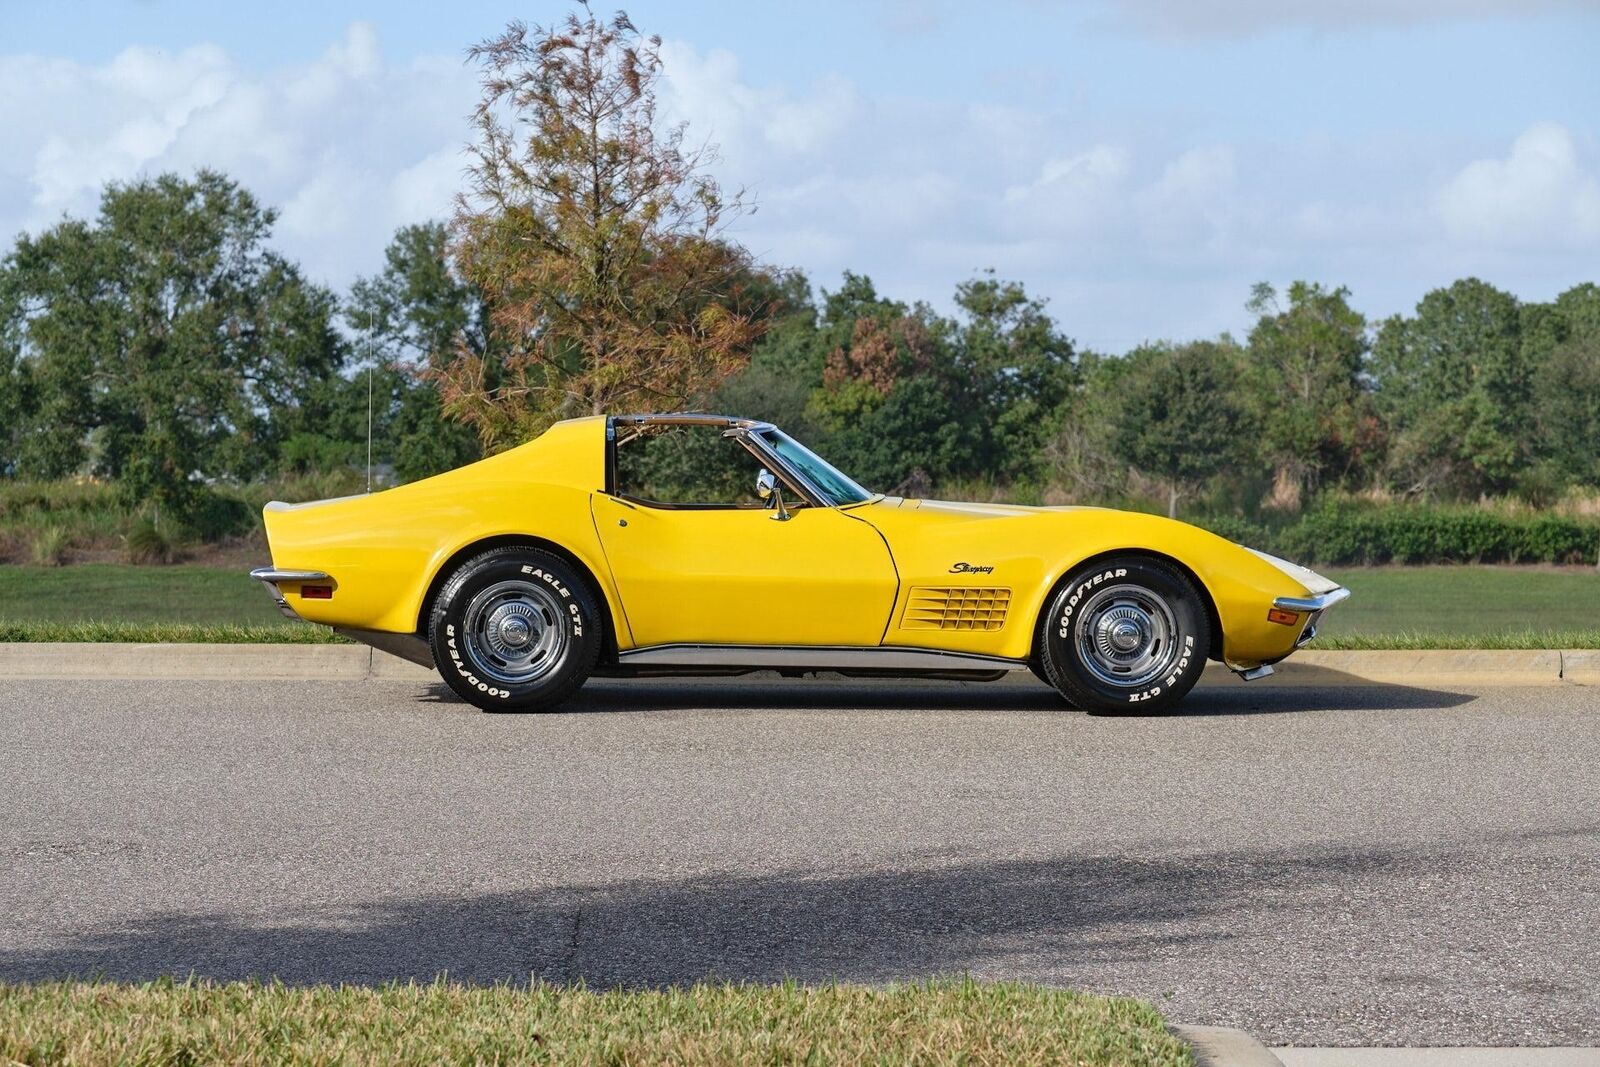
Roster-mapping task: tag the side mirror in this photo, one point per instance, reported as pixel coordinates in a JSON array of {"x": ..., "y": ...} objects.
[{"x": 767, "y": 489}]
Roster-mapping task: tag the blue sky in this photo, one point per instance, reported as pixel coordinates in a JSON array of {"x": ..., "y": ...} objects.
[{"x": 1139, "y": 163}]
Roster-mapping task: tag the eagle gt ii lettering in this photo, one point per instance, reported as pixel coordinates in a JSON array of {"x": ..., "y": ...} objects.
[{"x": 522, "y": 575}]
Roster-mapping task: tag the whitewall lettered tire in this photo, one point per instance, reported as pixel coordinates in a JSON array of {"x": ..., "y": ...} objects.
[
  {"x": 515, "y": 629},
  {"x": 1125, "y": 635}
]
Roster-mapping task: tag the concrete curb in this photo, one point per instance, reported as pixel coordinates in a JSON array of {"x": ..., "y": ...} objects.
[
  {"x": 1418, "y": 669},
  {"x": 1223, "y": 1046},
  {"x": 1429, "y": 668},
  {"x": 338, "y": 663},
  {"x": 1438, "y": 1057}
]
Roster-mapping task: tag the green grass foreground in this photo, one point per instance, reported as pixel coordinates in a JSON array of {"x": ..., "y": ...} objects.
[
  {"x": 126, "y": 593},
  {"x": 167, "y": 633},
  {"x": 938, "y": 1022},
  {"x": 1391, "y": 607},
  {"x": 1463, "y": 600},
  {"x": 1527, "y": 640}
]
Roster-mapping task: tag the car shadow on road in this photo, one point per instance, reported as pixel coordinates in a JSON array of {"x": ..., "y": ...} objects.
[
  {"x": 1013, "y": 916},
  {"x": 773, "y": 693}
]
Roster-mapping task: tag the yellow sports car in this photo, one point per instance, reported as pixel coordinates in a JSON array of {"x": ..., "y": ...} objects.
[{"x": 701, "y": 544}]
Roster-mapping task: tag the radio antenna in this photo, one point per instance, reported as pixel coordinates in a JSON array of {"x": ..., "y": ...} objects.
[{"x": 369, "y": 400}]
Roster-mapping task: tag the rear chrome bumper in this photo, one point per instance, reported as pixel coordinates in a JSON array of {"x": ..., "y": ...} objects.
[
  {"x": 1314, "y": 606},
  {"x": 271, "y": 576}
]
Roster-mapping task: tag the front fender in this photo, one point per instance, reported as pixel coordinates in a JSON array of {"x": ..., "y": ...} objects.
[{"x": 1031, "y": 550}]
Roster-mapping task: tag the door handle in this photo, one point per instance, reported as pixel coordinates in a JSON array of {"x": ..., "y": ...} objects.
[{"x": 622, "y": 522}]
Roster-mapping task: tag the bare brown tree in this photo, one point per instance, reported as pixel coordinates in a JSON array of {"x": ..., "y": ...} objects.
[{"x": 595, "y": 234}]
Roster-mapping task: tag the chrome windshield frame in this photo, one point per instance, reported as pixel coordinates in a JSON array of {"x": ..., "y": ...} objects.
[
  {"x": 753, "y": 439},
  {"x": 769, "y": 448}
]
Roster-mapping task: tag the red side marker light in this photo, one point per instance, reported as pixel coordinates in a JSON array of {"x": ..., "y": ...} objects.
[
  {"x": 1277, "y": 615},
  {"x": 317, "y": 592}
]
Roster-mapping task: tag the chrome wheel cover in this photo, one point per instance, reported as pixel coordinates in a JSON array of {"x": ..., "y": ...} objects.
[
  {"x": 515, "y": 632},
  {"x": 1127, "y": 636}
]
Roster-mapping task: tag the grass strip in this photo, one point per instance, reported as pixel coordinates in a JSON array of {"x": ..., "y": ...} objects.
[
  {"x": 945, "y": 1021},
  {"x": 1527, "y": 640},
  {"x": 129, "y": 593},
  {"x": 164, "y": 633}
]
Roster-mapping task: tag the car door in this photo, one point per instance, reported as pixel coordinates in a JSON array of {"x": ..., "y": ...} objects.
[{"x": 699, "y": 558}]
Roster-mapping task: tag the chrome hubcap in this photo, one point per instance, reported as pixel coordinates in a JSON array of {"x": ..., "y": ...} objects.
[
  {"x": 515, "y": 632},
  {"x": 512, "y": 630},
  {"x": 1127, "y": 635}
]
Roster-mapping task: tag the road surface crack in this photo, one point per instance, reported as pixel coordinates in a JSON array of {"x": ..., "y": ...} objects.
[{"x": 569, "y": 961}]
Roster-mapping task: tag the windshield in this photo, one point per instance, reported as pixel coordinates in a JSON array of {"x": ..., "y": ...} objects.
[{"x": 834, "y": 484}]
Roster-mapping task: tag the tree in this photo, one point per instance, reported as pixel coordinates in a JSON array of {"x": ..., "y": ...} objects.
[
  {"x": 1023, "y": 370},
  {"x": 1305, "y": 363},
  {"x": 16, "y": 403},
  {"x": 50, "y": 287},
  {"x": 892, "y": 400},
  {"x": 1453, "y": 385},
  {"x": 1568, "y": 405},
  {"x": 595, "y": 237},
  {"x": 785, "y": 365},
  {"x": 164, "y": 341},
  {"x": 1561, "y": 346},
  {"x": 1177, "y": 414}
]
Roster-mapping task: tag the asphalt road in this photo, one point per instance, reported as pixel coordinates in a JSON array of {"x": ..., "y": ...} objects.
[{"x": 1340, "y": 866}]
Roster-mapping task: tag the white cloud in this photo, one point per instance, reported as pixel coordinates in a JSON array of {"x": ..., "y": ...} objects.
[
  {"x": 1130, "y": 231},
  {"x": 1539, "y": 194},
  {"x": 741, "y": 119},
  {"x": 349, "y": 146},
  {"x": 1131, "y": 237},
  {"x": 1193, "y": 200},
  {"x": 1234, "y": 18},
  {"x": 1072, "y": 195}
]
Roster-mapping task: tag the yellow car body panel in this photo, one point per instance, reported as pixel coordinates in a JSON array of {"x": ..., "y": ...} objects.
[
  {"x": 383, "y": 551},
  {"x": 944, "y": 545},
  {"x": 889, "y": 572},
  {"x": 731, "y": 576}
]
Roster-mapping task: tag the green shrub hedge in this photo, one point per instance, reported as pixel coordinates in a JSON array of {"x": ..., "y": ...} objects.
[{"x": 1417, "y": 534}]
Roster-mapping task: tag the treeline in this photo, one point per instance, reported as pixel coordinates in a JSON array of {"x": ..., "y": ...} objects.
[
  {"x": 164, "y": 346},
  {"x": 1475, "y": 394}
]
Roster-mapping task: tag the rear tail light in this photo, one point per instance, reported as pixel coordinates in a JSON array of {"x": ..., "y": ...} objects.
[{"x": 317, "y": 592}]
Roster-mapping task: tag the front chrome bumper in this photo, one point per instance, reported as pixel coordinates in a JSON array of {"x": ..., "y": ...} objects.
[
  {"x": 1314, "y": 606},
  {"x": 271, "y": 576}
]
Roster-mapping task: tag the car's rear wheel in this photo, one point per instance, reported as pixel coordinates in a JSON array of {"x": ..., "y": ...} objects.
[
  {"x": 1125, "y": 635},
  {"x": 515, "y": 629}
]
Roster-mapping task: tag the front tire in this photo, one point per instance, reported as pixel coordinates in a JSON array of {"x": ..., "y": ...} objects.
[
  {"x": 515, "y": 629},
  {"x": 1125, "y": 635}
]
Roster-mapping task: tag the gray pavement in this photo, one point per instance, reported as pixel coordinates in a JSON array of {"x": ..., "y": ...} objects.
[{"x": 1339, "y": 866}]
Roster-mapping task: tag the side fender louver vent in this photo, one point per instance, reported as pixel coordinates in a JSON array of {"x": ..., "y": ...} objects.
[{"x": 952, "y": 608}]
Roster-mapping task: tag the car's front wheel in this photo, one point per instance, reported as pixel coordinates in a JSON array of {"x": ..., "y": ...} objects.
[
  {"x": 515, "y": 629},
  {"x": 1128, "y": 634}
]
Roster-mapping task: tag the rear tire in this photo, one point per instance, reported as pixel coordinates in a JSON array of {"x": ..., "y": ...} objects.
[
  {"x": 515, "y": 629},
  {"x": 1125, "y": 635}
]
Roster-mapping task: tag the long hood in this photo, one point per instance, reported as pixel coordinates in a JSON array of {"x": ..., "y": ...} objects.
[
  {"x": 1033, "y": 544},
  {"x": 958, "y": 508}
]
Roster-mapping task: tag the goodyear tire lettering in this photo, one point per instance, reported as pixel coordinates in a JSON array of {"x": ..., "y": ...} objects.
[
  {"x": 1064, "y": 627},
  {"x": 455, "y": 652}
]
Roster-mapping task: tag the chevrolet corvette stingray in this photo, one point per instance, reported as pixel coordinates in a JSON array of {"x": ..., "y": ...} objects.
[{"x": 704, "y": 544}]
